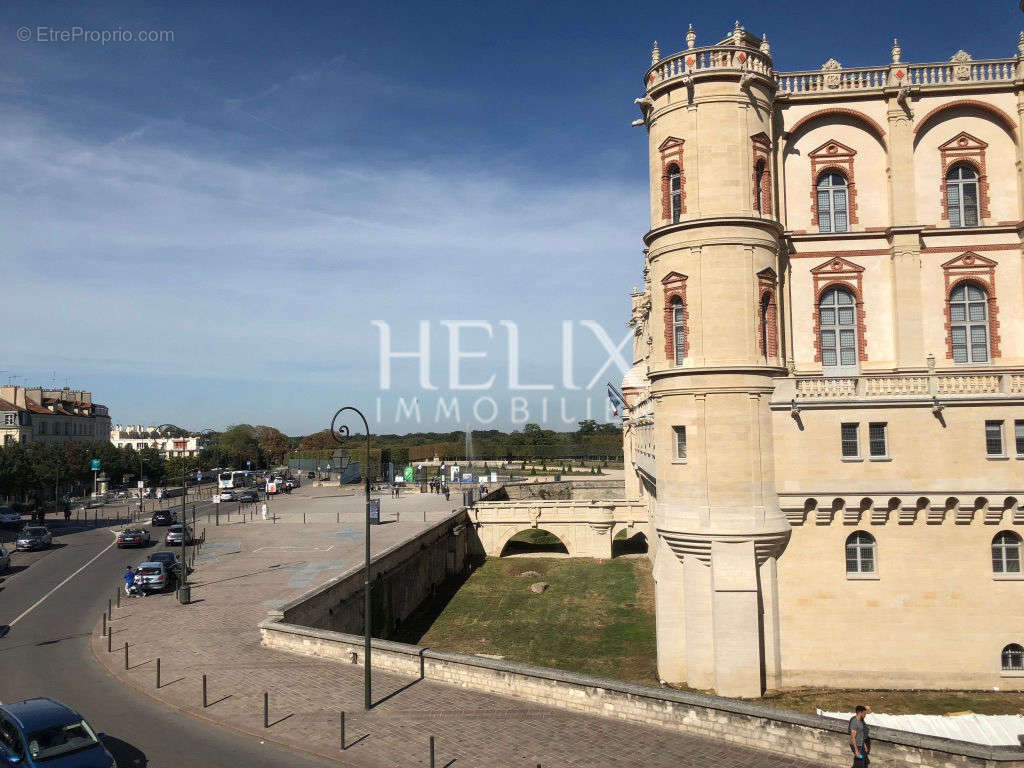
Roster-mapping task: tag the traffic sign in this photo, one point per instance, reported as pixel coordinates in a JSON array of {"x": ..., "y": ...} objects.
[{"x": 95, "y": 465}]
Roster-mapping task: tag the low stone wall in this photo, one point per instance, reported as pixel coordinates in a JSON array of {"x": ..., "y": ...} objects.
[
  {"x": 403, "y": 576},
  {"x": 562, "y": 489},
  {"x": 818, "y": 739}
]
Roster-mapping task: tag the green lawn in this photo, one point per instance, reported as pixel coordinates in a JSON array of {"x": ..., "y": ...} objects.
[{"x": 596, "y": 617}]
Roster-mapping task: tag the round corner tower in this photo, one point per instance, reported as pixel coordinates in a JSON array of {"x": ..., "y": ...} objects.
[{"x": 713, "y": 262}]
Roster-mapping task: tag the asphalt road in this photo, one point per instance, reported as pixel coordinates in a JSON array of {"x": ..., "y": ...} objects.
[{"x": 47, "y": 653}]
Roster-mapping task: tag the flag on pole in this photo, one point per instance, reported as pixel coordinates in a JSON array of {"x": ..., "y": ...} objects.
[{"x": 616, "y": 398}]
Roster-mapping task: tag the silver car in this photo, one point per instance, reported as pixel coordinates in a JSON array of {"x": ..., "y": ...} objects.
[
  {"x": 174, "y": 535},
  {"x": 33, "y": 537},
  {"x": 152, "y": 577}
]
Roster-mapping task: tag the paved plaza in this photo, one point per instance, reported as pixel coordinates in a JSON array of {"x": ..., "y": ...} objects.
[{"x": 247, "y": 568}]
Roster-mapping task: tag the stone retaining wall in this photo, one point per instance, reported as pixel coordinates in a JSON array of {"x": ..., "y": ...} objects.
[
  {"x": 404, "y": 576},
  {"x": 809, "y": 737},
  {"x": 602, "y": 489}
]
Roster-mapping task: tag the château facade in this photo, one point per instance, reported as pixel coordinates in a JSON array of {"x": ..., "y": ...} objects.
[{"x": 826, "y": 409}]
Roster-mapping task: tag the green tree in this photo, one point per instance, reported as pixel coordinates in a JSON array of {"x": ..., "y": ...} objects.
[
  {"x": 273, "y": 444},
  {"x": 239, "y": 444}
]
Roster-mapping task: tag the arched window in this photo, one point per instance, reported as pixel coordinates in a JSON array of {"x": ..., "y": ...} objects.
[
  {"x": 860, "y": 553},
  {"x": 1013, "y": 658},
  {"x": 675, "y": 191},
  {"x": 1006, "y": 552},
  {"x": 832, "y": 202},
  {"x": 837, "y": 315},
  {"x": 962, "y": 195},
  {"x": 766, "y": 324},
  {"x": 759, "y": 171},
  {"x": 968, "y": 318},
  {"x": 678, "y": 331}
]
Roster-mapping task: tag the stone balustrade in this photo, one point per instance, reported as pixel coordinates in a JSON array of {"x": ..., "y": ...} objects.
[
  {"x": 908, "y": 386},
  {"x": 716, "y": 57},
  {"x": 940, "y": 74}
]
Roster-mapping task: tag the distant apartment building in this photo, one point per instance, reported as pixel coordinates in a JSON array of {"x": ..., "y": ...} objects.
[
  {"x": 38, "y": 415},
  {"x": 137, "y": 437}
]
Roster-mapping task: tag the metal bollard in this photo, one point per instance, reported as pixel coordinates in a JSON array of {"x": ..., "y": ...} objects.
[
  {"x": 266, "y": 709},
  {"x": 158, "y": 672},
  {"x": 432, "y": 752},
  {"x": 303, "y": 518},
  {"x": 110, "y": 609},
  {"x": 104, "y": 623},
  {"x": 342, "y": 731},
  {"x": 337, "y": 517},
  {"x": 126, "y": 654},
  {"x": 117, "y": 595},
  {"x": 204, "y": 691}
]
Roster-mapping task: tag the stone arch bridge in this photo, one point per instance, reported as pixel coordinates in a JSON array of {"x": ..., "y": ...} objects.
[{"x": 586, "y": 526}]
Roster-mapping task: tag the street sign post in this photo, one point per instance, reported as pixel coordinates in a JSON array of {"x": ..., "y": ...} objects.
[{"x": 374, "y": 511}]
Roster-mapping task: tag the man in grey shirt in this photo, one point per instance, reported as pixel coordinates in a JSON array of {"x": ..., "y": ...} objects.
[{"x": 860, "y": 741}]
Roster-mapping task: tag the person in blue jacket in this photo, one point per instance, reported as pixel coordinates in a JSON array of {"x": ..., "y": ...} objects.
[{"x": 129, "y": 581}]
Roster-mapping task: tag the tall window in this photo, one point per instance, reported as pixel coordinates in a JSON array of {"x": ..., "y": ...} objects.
[
  {"x": 850, "y": 441},
  {"x": 968, "y": 316},
  {"x": 1013, "y": 658},
  {"x": 1006, "y": 552},
  {"x": 758, "y": 187},
  {"x": 678, "y": 331},
  {"x": 832, "y": 196},
  {"x": 675, "y": 191},
  {"x": 994, "y": 438},
  {"x": 962, "y": 196},
  {"x": 860, "y": 553},
  {"x": 766, "y": 304},
  {"x": 1018, "y": 436},
  {"x": 680, "y": 435},
  {"x": 838, "y": 320},
  {"x": 878, "y": 439}
]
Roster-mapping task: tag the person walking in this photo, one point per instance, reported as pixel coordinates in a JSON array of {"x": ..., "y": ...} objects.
[
  {"x": 860, "y": 740},
  {"x": 447, "y": 493}
]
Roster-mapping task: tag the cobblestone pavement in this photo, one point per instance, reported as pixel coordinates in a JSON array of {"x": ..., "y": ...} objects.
[{"x": 247, "y": 568}]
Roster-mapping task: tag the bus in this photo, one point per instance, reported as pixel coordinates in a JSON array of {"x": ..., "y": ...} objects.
[{"x": 235, "y": 479}]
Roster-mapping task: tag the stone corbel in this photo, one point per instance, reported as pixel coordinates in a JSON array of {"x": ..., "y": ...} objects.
[
  {"x": 964, "y": 515},
  {"x": 936, "y": 515},
  {"x": 907, "y": 515},
  {"x": 851, "y": 515},
  {"x": 880, "y": 515},
  {"x": 824, "y": 515},
  {"x": 993, "y": 516}
]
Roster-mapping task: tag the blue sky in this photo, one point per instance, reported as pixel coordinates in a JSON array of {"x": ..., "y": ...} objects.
[{"x": 201, "y": 231}]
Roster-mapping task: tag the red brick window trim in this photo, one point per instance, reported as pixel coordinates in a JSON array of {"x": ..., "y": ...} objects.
[
  {"x": 966, "y": 149},
  {"x": 840, "y": 273},
  {"x": 833, "y": 156},
  {"x": 970, "y": 267},
  {"x": 674, "y": 287},
  {"x": 671, "y": 150},
  {"x": 767, "y": 315},
  {"x": 761, "y": 181}
]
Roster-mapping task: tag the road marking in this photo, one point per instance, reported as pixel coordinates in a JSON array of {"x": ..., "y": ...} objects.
[
  {"x": 311, "y": 549},
  {"x": 36, "y": 604}
]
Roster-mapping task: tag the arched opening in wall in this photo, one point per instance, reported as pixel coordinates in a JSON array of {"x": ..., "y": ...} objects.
[
  {"x": 626, "y": 544},
  {"x": 535, "y": 541}
]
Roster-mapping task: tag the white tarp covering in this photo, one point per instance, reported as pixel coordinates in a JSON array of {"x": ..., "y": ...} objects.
[{"x": 993, "y": 730}]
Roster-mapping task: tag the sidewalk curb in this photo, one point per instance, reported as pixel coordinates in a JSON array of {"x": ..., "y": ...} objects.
[{"x": 126, "y": 680}]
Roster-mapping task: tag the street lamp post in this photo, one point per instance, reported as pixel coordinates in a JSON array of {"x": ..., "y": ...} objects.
[
  {"x": 338, "y": 433},
  {"x": 184, "y": 593}
]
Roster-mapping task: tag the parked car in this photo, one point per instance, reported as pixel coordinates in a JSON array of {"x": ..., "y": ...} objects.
[
  {"x": 170, "y": 561},
  {"x": 96, "y": 501},
  {"x": 154, "y": 576},
  {"x": 5, "y": 559},
  {"x": 248, "y": 497},
  {"x": 9, "y": 517},
  {"x": 37, "y": 733},
  {"x": 33, "y": 537},
  {"x": 163, "y": 517},
  {"x": 310, "y": 475},
  {"x": 226, "y": 495},
  {"x": 174, "y": 534},
  {"x": 133, "y": 537}
]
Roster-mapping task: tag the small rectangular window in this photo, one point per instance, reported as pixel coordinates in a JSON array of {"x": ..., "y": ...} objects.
[
  {"x": 1018, "y": 435},
  {"x": 994, "y": 438},
  {"x": 878, "y": 439},
  {"x": 680, "y": 434},
  {"x": 851, "y": 445}
]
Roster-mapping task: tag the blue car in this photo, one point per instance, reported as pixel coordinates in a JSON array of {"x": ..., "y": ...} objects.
[{"x": 43, "y": 733}]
